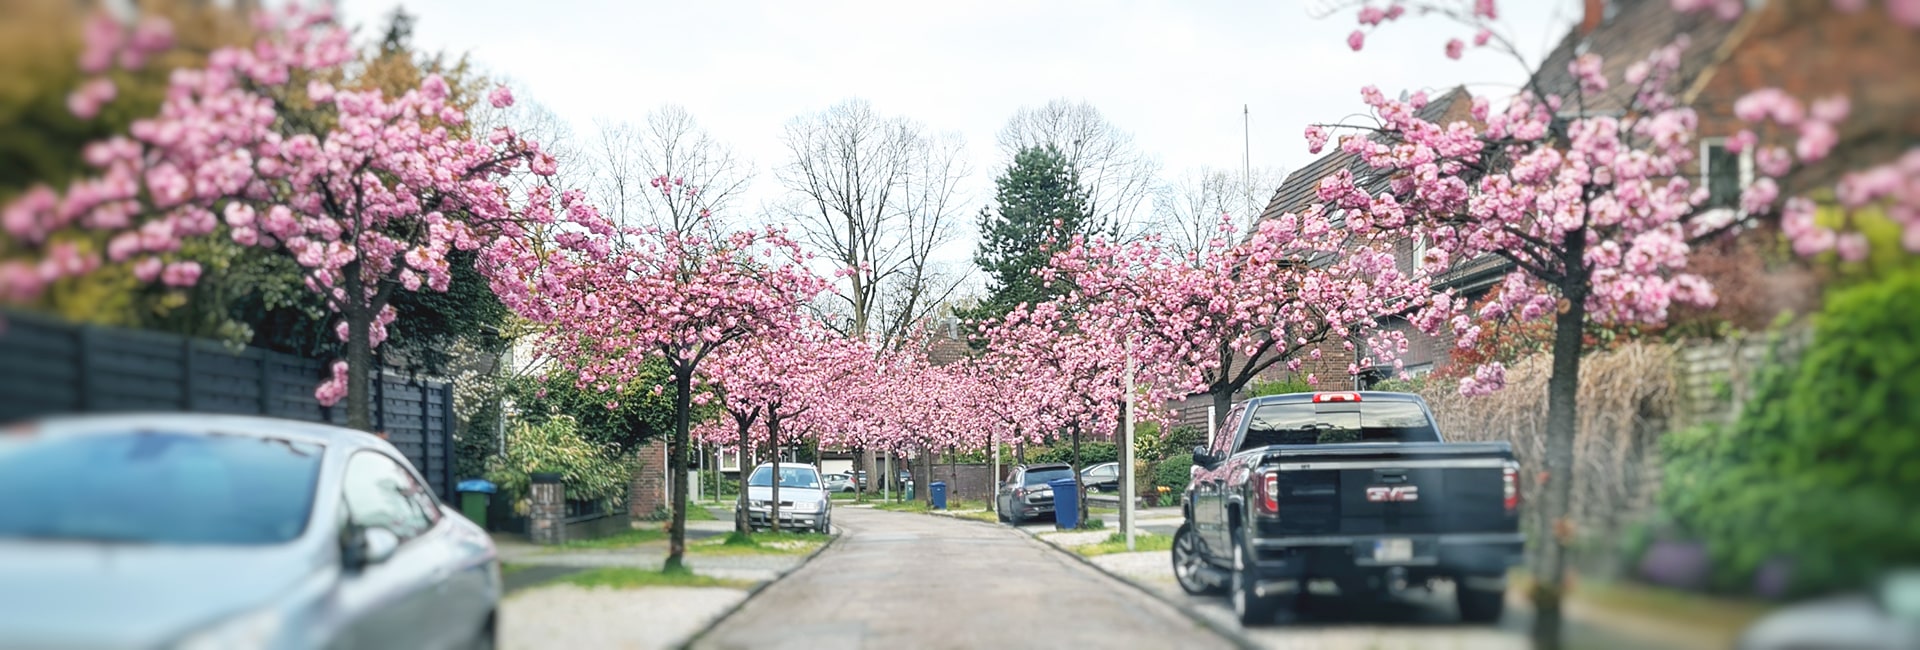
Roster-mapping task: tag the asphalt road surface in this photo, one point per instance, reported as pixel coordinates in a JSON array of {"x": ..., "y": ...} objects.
[{"x": 898, "y": 580}]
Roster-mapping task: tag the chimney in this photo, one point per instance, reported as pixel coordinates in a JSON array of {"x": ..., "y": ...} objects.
[{"x": 1596, "y": 14}]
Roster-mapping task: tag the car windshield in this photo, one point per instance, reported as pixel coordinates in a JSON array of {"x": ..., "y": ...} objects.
[
  {"x": 158, "y": 487},
  {"x": 789, "y": 477},
  {"x": 1038, "y": 476},
  {"x": 1306, "y": 423}
]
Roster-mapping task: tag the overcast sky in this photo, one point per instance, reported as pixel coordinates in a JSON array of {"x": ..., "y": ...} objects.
[{"x": 1175, "y": 74}]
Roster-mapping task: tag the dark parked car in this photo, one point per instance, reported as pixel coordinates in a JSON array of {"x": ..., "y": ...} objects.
[
  {"x": 1025, "y": 494},
  {"x": 1104, "y": 477},
  {"x": 214, "y": 531},
  {"x": 1354, "y": 487}
]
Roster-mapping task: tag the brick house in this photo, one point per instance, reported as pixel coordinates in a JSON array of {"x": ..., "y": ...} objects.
[{"x": 1802, "y": 46}]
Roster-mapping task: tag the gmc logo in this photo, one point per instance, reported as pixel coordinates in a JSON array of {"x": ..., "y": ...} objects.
[{"x": 1393, "y": 493}]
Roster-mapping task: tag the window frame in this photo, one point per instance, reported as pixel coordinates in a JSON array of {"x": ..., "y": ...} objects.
[{"x": 1742, "y": 179}]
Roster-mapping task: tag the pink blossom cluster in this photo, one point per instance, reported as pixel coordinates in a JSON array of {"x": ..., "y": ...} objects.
[
  {"x": 1606, "y": 211},
  {"x": 370, "y": 206}
]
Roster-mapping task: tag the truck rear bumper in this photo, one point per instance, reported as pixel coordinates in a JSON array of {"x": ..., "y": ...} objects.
[{"x": 1450, "y": 554}]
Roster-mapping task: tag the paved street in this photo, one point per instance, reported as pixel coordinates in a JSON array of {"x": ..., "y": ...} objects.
[{"x": 897, "y": 580}]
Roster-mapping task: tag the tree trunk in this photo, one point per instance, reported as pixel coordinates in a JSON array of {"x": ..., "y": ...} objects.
[
  {"x": 359, "y": 368},
  {"x": 922, "y": 483},
  {"x": 773, "y": 445},
  {"x": 1563, "y": 391},
  {"x": 870, "y": 465},
  {"x": 1222, "y": 402},
  {"x": 741, "y": 524},
  {"x": 677, "y": 465}
]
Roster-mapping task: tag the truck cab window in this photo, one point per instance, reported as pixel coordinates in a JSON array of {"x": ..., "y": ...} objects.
[{"x": 1305, "y": 423}]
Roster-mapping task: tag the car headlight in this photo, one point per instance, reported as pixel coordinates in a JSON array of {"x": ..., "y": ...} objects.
[
  {"x": 757, "y": 503},
  {"x": 255, "y": 630},
  {"x": 820, "y": 506}
]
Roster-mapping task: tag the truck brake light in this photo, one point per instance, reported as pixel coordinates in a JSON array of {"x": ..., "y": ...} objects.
[
  {"x": 1510, "y": 486},
  {"x": 1270, "y": 493},
  {"x": 1321, "y": 398}
]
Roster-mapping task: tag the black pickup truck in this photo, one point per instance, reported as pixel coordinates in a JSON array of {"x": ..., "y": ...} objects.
[{"x": 1356, "y": 488}]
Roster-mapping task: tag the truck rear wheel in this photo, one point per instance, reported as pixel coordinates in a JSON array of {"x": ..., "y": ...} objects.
[
  {"x": 1479, "y": 605},
  {"x": 1251, "y": 607}
]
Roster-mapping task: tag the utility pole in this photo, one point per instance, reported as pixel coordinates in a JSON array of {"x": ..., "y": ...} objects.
[{"x": 1126, "y": 461}]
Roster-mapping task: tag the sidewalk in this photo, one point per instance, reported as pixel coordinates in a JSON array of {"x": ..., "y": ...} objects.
[{"x": 542, "y": 610}]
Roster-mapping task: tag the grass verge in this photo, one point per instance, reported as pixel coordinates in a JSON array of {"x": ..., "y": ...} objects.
[
  {"x": 635, "y": 578},
  {"x": 1117, "y": 543},
  {"x": 510, "y": 569},
  {"x": 1725, "y": 617}
]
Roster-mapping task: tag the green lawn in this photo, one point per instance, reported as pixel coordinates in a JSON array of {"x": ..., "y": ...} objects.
[
  {"x": 634, "y": 578},
  {"x": 700, "y": 513},
  {"x": 1726, "y": 617},
  {"x": 510, "y": 569},
  {"x": 980, "y": 515},
  {"x": 1117, "y": 543}
]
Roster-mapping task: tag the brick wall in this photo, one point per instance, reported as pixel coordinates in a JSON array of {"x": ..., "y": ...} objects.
[
  {"x": 1810, "y": 50},
  {"x": 971, "y": 481},
  {"x": 649, "y": 490}
]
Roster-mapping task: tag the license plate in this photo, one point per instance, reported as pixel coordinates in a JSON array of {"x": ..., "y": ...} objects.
[{"x": 1393, "y": 550}]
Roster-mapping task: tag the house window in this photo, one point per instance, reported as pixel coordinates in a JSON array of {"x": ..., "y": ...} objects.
[
  {"x": 1419, "y": 253},
  {"x": 1723, "y": 173}
]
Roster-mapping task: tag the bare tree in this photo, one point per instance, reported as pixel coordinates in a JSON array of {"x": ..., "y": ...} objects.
[
  {"x": 1188, "y": 211},
  {"x": 877, "y": 196},
  {"x": 668, "y": 172},
  {"x": 1119, "y": 179}
]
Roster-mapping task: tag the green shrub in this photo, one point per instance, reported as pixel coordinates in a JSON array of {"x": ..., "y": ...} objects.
[
  {"x": 1264, "y": 388},
  {"x": 1174, "y": 473},
  {"x": 590, "y": 472},
  {"x": 1821, "y": 466},
  {"x": 1091, "y": 453}
]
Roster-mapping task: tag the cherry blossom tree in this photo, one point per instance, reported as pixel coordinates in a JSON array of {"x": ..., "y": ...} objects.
[
  {"x": 368, "y": 193},
  {"x": 1076, "y": 372},
  {"x": 1224, "y": 315},
  {"x": 783, "y": 382},
  {"x": 1591, "y": 210},
  {"x": 610, "y": 298}
]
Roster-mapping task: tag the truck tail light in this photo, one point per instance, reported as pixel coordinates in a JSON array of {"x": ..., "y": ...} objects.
[
  {"x": 1270, "y": 493},
  {"x": 1510, "y": 486},
  {"x": 1321, "y": 398}
]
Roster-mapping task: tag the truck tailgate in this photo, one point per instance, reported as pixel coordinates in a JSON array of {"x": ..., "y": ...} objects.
[{"x": 1403, "y": 489}]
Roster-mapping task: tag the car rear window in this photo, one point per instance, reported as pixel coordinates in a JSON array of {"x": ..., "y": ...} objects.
[
  {"x": 158, "y": 487},
  {"x": 1038, "y": 476},
  {"x": 789, "y": 477},
  {"x": 1305, "y": 423}
]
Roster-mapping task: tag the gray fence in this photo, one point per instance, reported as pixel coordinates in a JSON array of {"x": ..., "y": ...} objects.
[{"x": 48, "y": 367}]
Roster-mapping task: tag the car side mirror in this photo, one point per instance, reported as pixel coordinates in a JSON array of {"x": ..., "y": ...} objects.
[
  {"x": 1203, "y": 458},
  {"x": 370, "y": 546}
]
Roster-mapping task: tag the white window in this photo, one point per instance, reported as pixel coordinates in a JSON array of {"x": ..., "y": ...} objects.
[{"x": 1724, "y": 173}]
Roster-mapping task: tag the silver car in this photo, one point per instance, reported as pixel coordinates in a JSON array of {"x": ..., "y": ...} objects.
[
  {"x": 804, "y": 502},
  {"x": 206, "y": 531}
]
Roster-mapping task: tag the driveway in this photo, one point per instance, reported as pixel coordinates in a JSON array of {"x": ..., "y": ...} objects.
[{"x": 901, "y": 580}]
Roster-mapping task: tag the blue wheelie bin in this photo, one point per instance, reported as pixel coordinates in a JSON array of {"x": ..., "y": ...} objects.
[
  {"x": 939, "y": 494},
  {"x": 1066, "y": 503}
]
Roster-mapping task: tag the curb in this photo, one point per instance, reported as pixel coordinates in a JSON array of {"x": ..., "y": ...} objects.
[
  {"x": 1232, "y": 634},
  {"x": 755, "y": 591}
]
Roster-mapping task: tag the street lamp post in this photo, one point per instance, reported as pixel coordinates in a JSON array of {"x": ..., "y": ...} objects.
[{"x": 1126, "y": 461}]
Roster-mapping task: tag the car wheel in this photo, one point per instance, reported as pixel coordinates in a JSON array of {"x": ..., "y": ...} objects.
[
  {"x": 1013, "y": 517},
  {"x": 1479, "y": 605},
  {"x": 1188, "y": 563},
  {"x": 1251, "y": 607}
]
